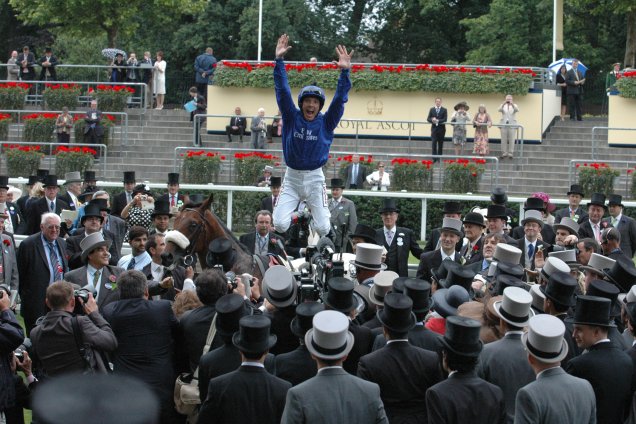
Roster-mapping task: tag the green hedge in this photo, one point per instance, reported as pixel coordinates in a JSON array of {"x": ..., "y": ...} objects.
[{"x": 627, "y": 87}]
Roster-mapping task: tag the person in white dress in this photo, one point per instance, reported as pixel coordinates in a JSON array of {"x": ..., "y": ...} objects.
[
  {"x": 379, "y": 180},
  {"x": 159, "y": 79}
]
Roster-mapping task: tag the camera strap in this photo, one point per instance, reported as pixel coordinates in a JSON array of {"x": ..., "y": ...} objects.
[{"x": 79, "y": 342}]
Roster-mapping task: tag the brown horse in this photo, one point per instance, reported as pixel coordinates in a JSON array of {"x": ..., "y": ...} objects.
[{"x": 194, "y": 229}]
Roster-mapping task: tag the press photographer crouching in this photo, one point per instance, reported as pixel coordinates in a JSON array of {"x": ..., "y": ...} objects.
[
  {"x": 64, "y": 343},
  {"x": 11, "y": 336}
]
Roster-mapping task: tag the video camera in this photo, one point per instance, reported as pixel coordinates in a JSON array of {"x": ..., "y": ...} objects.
[{"x": 318, "y": 268}]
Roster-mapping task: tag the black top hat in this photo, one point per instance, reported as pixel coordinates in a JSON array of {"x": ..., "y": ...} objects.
[
  {"x": 623, "y": 274},
  {"x": 162, "y": 207},
  {"x": 92, "y": 210},
  {"x": 173, "y": 178},
  {"x": 592, "y": 310},
  {"x": 102, "y": 204},
  {"x": 576, "y": 189},
  {"x": 615, "y": 200},
  {"x": 504, "y": 280},
  {"x": 196, "y": 199},
  {"x": 88, "y": 192},
  {"x": 89, "y": 176},
  {"x": 129, "y": 176},
  {"x": 253, "y": 335},
  {"x": 598, "y": 199},
  {"x": 499, "y": 196},
  {"x": 32, "y": 180},
  {"x": 388, "y": 205},
  {"x": 4, "y": 182},
  {"x": 420, "y": 293},
  {"x": 302, "y": 322},
  {"x": 221, "y": 253},
  {"x": 441, "y": 272},
  {"x": 142, "y": 188},
  {"x": 458, "y": 277},
  {"x": 534, "y": 203},
  {"x": 462, "y": 336},
  {"x": 220, "y": 245},
  {"x": 602, "y": 288},
  {"x": 50, "y": 181},
  {"x": 451, "y": 207},
  {"x": 497, "y": 211},
  {"x": 364, "y": 232},
  {"x": 275, "y": 181},
  {"x": 397, "y": 314},
  {"x": 399, "y": 284},
  {"x": 560, "y": 288},
  {"x": 340, "y": 295},
  {"x": 337, "y": 183},
  {"x": 41, "y": 174},
  {"x": 229, "y": 310},
  {"x": 474, "y": 218}
]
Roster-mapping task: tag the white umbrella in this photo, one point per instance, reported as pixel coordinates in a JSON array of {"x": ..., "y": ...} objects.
[
  {"x": 111, "y": 53},
  {"x": 555, "y": 66}
]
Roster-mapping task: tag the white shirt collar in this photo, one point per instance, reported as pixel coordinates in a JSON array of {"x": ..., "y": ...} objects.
[
  {"x": 252, "y": 364},
  {"x": 386, "y": 230},
  {"x": 327, "y": 368},
  {"x": 444, "y": 255},
  {"x": 556, "y": 366},
  {"x": 397, "y": 340}
]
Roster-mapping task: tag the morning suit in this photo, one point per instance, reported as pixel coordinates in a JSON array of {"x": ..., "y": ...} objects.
[
  {"x": 119, "y": 203},
  {"x": 342, "y": 212},
  {"x": 573, "y": 349},
  {"x": 145, "y": 350},
  {"x": 609, "y": 371},
  {"x": 402, "y": 243},
  {"x": 430, "y": 261},
  {"x": 419, "y": 336},
  {"x": 475, "y": 254},
  {"x": 10, "y": 275},
  {"x": 586, "y": 230},
  {"x": 247, "y": 395},
  {"x": 27, "y": 73},
  {"x": 523, "y": 261},
  {"x": 39, "y": 207},
  {"x": 465, "y": 398},
  {"x": 504, "y": 363},
  {"x": 69, "y": 200},
  {"x": 178, "y": 278},
  {"x": 108, "y": 289},
  {"x": 438, "y": 131},
  {"x": 249, "y": 241},
  {"x": 35, "y": 273},
  {"x": 93, "y": 129},
  {"x": 281, "y": 318},
  {"x": 236, "y": 121},
  {"x": 52, "y": 74},
  {"x": 167, "y": 197},
  {"x": 547, "y": 233},
  {"x": 355, "y": 181},
  {"x": 195, "y": 325},
  {"x": 579, "y": 214},
  {"x": 362, "y": 344},
  {"x": 333, "y": 396},
  {"x": 267, "y": 203},
  {"x": 74, "y": 251},
  {"x": 117, "y": 227},
  {"x": 222, "y": 360},
  {"x": 575, "y": 93},
  {"x": 404, "y": 373},
  {"x": 627, "y": 228},
  {"x": 296, "y": 366},
  {"x": 556, "y": 397}
]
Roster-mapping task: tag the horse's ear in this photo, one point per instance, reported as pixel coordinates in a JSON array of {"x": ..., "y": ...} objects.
[{"x": 206, "y": 205}]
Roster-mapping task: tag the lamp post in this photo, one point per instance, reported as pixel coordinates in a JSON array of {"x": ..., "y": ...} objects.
[{"x": 260, "y": 28}]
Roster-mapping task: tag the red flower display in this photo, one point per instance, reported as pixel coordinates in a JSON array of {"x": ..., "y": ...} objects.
[
  {"x": 15, "y": 84},
  {"x": 40, "y": 116},
  {"x": 64, "y": 149}
]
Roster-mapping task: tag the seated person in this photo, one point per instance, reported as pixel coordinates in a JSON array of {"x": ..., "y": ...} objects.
[
  {"x": 237, "y": 126},
  {"x": 275, "y": 130}
]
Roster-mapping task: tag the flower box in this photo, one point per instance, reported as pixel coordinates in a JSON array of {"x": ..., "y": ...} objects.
[
  {"x": 13, "y": 95},
  {"x": 596, "y": 177},
  {"x": 463, "y": 175},
  {"x": 39, "y": 127},
  {"x": 22, "y": 161},
  {"x": 200, "y": 167},
  {"x": 57, "y": 96},
  {"x": 68, "y": 159},
  {"x": 249, "y": 166},
  {"x": 412, "y": 175},
  {"x": 5, "y": 120},
  {"x": 108, "y": 122},
  {"x": 626, "y": 84},
  {"x": 111, "y": 98}
]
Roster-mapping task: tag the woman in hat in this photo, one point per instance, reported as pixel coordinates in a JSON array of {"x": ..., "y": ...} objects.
[
  {"x": 139, "y": 210},
  {"x": 481, "y": 123},
  {"x": 459, "y": 119},
  {"x": 379, "y": 180}
]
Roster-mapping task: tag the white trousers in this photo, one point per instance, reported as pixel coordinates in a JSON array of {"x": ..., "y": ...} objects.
[{"x": 308, "y": 186}]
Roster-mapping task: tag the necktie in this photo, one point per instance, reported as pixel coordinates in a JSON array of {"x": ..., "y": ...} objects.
[
  {"x": 128, "y": 197},
  {"x": 572, "y": 213},
  {"x": 262, "y": 241},
  {"x": 389, "y": 237},
  {"x": 131, "y": 264},
  {"x": 55, "y": 264},
  {"x": 172, "y": 204},
  {"x": 96, "y": 278},
  {"x": 614, "y": 222},
  {"x": 52, "y": 206},
  {"x": 469, "y": 251},
  {"x": 354, "y": 173},
  {"x": 530, "y": 250},
  {"x": 597, "y": 232}
]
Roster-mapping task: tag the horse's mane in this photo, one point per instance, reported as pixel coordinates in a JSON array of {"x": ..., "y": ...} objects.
[{"x": 228, "y": 233}]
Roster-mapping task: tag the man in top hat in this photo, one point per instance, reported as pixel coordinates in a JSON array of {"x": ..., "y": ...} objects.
[
  {"x": 452, "y": 209},
  {"x": 499, "y": 197},
  {"x": 367, "y": 264},
  {"x": 160, "y": 216},
  {"x": 265, "y": 179},
  {"x": 48, "y": 203},
  {"x": 8, "y": 210},
  {"x": 549, "y": 398},
  {"x": 450, "y": 235},
  {"x": 535, "y": 204},
  {"x": 398, "y": 241},
  {"x": 21, "y": 202},
  {"x": 611, "y": 240},
  {"x": 361, "y": 234},
  {"x": 125, "y": 197},
  {"x": 90, "y": 181},
  {"x": 608, "y": 290},
  {"x": 298, "y": 366},
  {"x": 497, "y": 219},
  {"x": 414, "y": 368},
  {"x": 530, "y": 243},
  {"x": 567, "y": 233},
  {"x": 463, "y": 397},
  {"x": 595, "y": 267},
  {"x": 142, "y": 326},
  {"x": 574, "y": 210},
  {"x": 594, "y": 224},
  {"x": 623, "y": 223},
  {"x": 92, "y": 222},
  {"x": 504, "y": 362},
  {"x": 97, "y": 272},
  {"x": 72, "y": 183},
  {"x": 606, "y": 367},
  {"x": 263, "y": 240},
  {"x": 174, "y": 198},
  {"x": 249, "y": 394},
  {"x": 329, "y": 343},
  {"x": 343, "y": 212},
  {"x": 226, "y": 358},
  {"x": 622, "y": 275},
  {"x": 268, "y": 202},
  {"x": 473, "y": 232},
  {"x": 48, "y": 62},
  {"x": 382, "y": 284},
  {"x": 356, "y": 173},
  {"x": 280, "y": 290}
]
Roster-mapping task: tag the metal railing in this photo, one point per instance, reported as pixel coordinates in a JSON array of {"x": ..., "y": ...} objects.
[
  {"x": 608, "y": 129},
  {"x": 50, "y": 152},
  {"x": 123, "y": 130}
]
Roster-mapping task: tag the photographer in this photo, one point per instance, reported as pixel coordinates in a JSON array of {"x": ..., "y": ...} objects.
[
  {"x": 20, "y": 361},
  {"x": 11, "y": 336},
  {"x": 58, "y": 346}
]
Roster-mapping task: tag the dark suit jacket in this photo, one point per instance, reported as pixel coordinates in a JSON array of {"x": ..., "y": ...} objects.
[
  {"x": 404, "y": 373},
  {"x": 362, "y": 344},
  {"x": 178, "y": 277},
  {"x": 249, "y": 241},
  {"x": 67, "y": 198},
  {"x": 195, "y": 325},
  {"x": 403, "y": 242},
  {"x": 267, "y": 203},
  {"x": 609, "y": 371},
  {"x": 34, "y": 272},
  {"x": 247, "y": 395},
  {"x": 51, "y": 68},
  {"x": 521, "y": 244},
  {"x": 39, "y": 207},
  {"x": 547, "y": 233},
  {"x": 571, "y": 78},
  {"x": 30, "y": 58},
  {"x": 442, "y": 117},
  {"x": 118, "y": 203},
  {"x": 476, "y": 255},
  {"x": 13, "y": 210},
  {"x": 99, "y": 129},
  {"x": 465, "y": 398},
  {"x": 107, "y": 293},
  {"x": 565, "y": 213},
  {"x": 286, "y": 341},
  {"x": 237, "y": 121},
  {"x": 74, "y": 251},
  {"x": 296, "y": 366},
  {"x": 430, "y": 261},
  {"x": 586, "y": 231},
  {"x": 419, "y": 336},
  {"x": 222, "y": 360},
  {"x": 360, "y": 178},
  {"x": 180, "y": 198},
  {"x": 627, "y": 228}
]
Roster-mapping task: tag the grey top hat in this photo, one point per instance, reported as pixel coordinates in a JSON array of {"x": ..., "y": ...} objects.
[
  {"x": 507, "y": 253},
  {"x": 330, "y": 337},
  {"x": 279, "y": 286},
  {"x": 369, "y": 256},
  {"x": 514, "y": 308},
  {"x": 92, "y": 242},
  {"x": 568, "y": 256},
  {"x": 631, "y": 295},
  {"x": 538, "y": 298},
  {"x": 569, "y": 225},
  {"x": 553, "y": 264},
  {"x": 72, "y": 177},
  {"x": 452, "y": 225},
  {"x": 533, "y": 216},
  {"x": 598, "y": 263},
  {"x": 544, "y": 339},
  {"x": 382, "y": 285}
]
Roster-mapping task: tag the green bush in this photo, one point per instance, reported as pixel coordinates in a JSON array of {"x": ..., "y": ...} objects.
[
  {"x": 68, "y": 159},
  {"x": 462, "y": 175},
  {"x": 22, "y": 161},
  {"x": 5, "y": 120},
  {"x": 412, "y": 175},
  {"x": 113, "y": 98},
  {"x": 200, "y": 167},
  {"x": 250, "y": 166},
  {"x": 57, "y": 96},
  {"x": 13, "y": 95},
  {"x": 39, "y": 127},
  {"x": 597, "y": 177}
]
